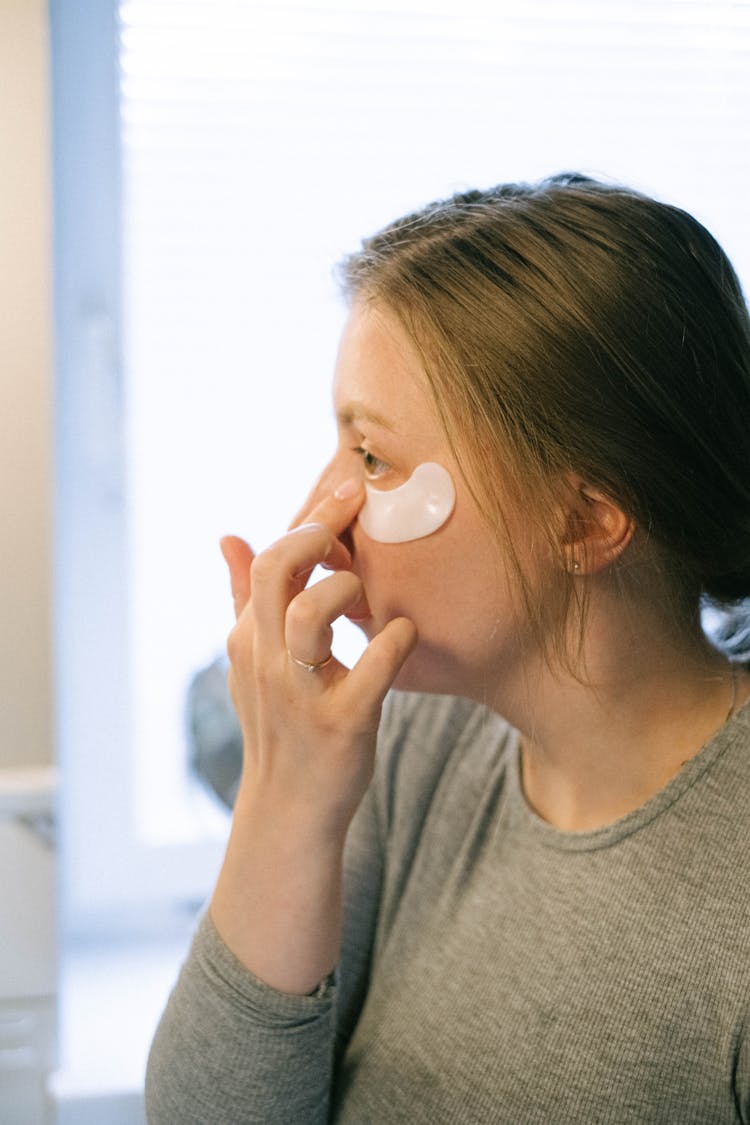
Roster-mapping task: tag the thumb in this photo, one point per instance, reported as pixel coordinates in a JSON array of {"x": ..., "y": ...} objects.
[
  {"x": 238, "y": 557},
  {"x": 378, "y": 666}
]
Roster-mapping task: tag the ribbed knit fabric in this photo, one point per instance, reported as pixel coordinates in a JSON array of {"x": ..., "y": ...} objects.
[{"x": 494, "y": 968}]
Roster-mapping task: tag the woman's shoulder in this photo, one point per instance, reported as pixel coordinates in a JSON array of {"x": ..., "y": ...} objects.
[
  {"x": 428, "y": 742},
  {"x": 405, "y": 712},
  {"x": 414, "y": 722}
]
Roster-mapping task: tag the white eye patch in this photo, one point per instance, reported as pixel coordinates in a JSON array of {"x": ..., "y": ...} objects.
[{"x": 413, "y": 510}]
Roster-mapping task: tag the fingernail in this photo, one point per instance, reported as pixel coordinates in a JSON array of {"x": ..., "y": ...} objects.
[
  {"x": 305, "y": 527},
  {"x": 348, "y": 489}
]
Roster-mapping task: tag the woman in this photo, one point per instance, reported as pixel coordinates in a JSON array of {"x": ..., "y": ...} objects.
[{"x": 534, "y": 904}]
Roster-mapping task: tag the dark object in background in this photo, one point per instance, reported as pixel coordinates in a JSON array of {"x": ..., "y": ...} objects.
[{"x": 213, "y": 731}]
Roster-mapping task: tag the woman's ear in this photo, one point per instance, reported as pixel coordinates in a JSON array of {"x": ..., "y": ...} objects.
[{"x": 597, "y": 529}]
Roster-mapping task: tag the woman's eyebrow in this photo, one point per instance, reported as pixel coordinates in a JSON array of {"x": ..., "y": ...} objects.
[{"x": 358, "y": 412}]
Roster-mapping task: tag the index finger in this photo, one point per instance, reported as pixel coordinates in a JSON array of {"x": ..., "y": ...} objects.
[
  {"x": 329, "y": 510},
  {"x": 337, "y": 510}
]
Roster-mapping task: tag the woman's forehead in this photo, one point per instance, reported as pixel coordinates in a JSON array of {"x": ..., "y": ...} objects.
[{"x": 379, "y": 378}]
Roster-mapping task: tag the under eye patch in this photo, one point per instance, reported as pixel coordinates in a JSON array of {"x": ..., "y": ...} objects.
[{"x": 413, "y": 510}]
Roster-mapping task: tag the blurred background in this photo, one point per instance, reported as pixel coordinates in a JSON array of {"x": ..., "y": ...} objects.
[{"x": 179, "y": 178}]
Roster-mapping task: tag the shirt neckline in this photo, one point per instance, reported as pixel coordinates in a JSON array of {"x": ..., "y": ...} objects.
[{"x": 608, "y": 835}]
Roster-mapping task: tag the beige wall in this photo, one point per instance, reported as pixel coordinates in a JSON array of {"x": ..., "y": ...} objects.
[{"x": 25, "y": 383}]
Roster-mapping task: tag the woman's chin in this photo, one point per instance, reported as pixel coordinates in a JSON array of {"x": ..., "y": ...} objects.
[
  {"x": 428, "y": 668},
  {"x": 427, "y": 671}
]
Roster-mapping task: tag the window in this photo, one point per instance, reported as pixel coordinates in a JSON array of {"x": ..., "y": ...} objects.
[{"x": 213, "y": 160}]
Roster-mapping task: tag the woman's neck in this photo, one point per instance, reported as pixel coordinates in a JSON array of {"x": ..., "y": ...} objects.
[{"x": 595, "y": 748}]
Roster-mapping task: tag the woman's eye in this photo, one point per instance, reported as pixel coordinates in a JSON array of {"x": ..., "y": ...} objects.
[{"x": 374, "y": 467}]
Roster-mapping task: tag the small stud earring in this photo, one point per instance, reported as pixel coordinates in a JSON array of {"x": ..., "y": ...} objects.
[{"x": 576, "y": 565}]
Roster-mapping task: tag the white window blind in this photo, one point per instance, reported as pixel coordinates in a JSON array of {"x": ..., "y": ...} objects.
[{"x": 260, "y": 142}]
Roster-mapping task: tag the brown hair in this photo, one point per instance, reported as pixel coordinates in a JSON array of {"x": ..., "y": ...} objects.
[{"x": 577, "y": 326}]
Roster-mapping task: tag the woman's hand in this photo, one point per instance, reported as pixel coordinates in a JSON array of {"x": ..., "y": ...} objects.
[
  {"x": 309, "y": 735},
  {"x": 309, "y": 744}
]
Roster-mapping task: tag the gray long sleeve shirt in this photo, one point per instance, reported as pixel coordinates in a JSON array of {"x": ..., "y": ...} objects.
[{"x": 494, "y": 969}]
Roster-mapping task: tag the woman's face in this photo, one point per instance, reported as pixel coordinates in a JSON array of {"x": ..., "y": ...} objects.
[{"x": 452, "y": 584}]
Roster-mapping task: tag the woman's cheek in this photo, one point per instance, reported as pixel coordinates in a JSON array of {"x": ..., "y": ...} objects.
[{"x": 394, "y": 575}]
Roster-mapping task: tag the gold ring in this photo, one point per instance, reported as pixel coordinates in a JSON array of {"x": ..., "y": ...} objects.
[{"x": 311, "y": 667}]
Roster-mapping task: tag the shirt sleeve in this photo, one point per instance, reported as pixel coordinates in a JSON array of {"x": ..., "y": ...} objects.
[
  {"x": 230, "y": 1049},
  {"x": 233, "y": 1051}
]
